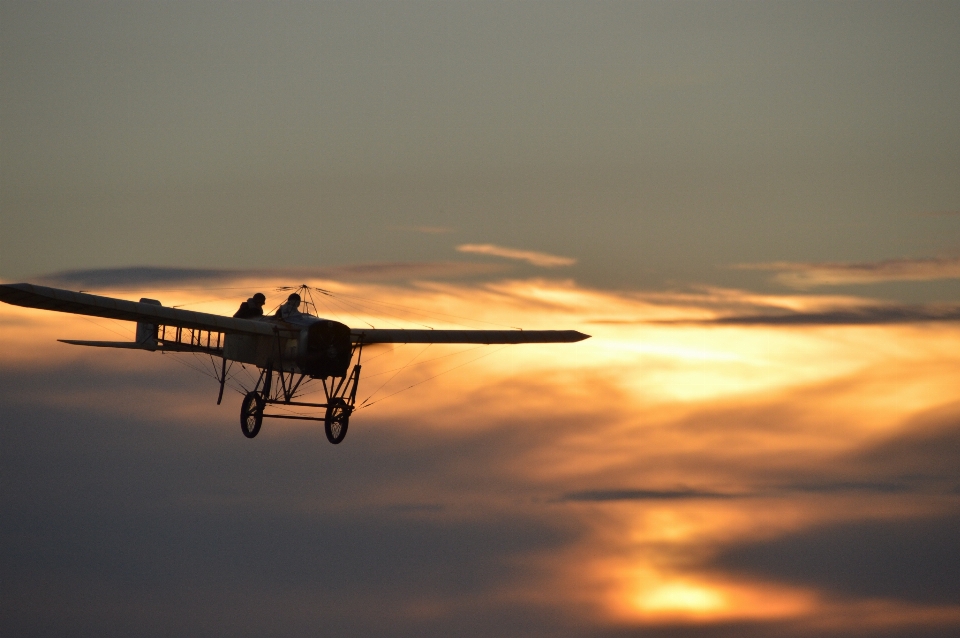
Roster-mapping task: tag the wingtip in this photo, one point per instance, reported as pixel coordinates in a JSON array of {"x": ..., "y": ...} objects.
[{"x": 11, "y": 293}]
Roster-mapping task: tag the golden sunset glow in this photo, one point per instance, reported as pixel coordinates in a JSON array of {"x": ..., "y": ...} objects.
[{"x": 665, "y": 440}]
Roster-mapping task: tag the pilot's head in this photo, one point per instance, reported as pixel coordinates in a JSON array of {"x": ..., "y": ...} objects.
[
  {"x": 294, "y": 299},
  {"x": 259, "y": 299}
]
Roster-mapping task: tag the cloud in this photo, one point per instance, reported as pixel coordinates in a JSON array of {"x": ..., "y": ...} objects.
[
  {"x": 565, "y": 490},
  {"x": 864, "y": 316},
  {"x": 543, "y": 260},
  {"x": 137, "y": 275},
  {"x": 925, "y": 454},
  {"x": 820, "y": 486},
  {"x": 102, "y": 278},
  {"x": 600, "y": 496},
  {"x": 817, "y": 487},
  {"x": 915, "y": 560},
  {"x": 742, "y": 308},
  {"x": 119, "y": 517},
  {"x": 810, "y": 275}
]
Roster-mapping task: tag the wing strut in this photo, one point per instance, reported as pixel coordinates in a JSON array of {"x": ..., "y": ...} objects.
[{"x": 223, "y": 379}]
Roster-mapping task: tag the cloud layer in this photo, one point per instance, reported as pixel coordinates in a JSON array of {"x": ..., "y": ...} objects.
[
  {"x": 657, "y": 478},
  {"x": 863, "y": 316},
  {"x": 811, "y": 275},
  {"x": 140, "y": 276}
]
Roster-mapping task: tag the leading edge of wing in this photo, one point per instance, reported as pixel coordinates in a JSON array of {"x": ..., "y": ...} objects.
[
  {"x": 375, "y": 335},
  {"x": 81, "y": 303}
]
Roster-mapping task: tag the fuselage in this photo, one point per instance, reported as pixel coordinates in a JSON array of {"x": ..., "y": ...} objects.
[{"x": 305, "y": 345}]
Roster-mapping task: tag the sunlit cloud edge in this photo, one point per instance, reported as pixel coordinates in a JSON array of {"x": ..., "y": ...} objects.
[{"x": 543, "y": 260}]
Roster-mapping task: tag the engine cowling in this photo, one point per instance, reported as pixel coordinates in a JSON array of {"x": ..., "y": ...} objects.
[{"x": 325, "y": 349}]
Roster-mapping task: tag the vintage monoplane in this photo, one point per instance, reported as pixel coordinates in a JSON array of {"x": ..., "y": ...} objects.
[{"x": 286, "y": 353}]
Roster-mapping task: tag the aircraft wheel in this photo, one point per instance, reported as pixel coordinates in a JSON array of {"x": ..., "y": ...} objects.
[
  {"x": 251, "y": 414},
  {"x": 336, "y": 420}
]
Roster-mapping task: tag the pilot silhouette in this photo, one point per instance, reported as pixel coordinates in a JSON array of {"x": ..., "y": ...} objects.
[{"x": 252, "y": 307}]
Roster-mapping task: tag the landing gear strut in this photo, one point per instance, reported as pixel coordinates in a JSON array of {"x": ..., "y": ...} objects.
[{"x": 340, "y": 392}]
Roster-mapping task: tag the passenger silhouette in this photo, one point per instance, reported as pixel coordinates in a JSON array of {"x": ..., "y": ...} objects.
[{"x": 290, "y": 308}]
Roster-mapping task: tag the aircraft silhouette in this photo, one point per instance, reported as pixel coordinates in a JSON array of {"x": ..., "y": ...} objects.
[{"x": 293, "y": 351}]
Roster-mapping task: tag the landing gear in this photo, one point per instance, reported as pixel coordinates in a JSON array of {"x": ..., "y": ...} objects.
[
  {"x": 336, "y": 420},
  {"x": 251, "y": 414},
  {"x": 340, "y": 393}
]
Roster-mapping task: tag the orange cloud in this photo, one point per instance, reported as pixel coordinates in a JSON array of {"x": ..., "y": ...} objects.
[{"x": 544, "y": 260}]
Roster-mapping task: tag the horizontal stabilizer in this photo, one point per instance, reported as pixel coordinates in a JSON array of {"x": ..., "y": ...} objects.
[
  {"x": 132, "y": 345},
  {"x": 170, "y": 346}
]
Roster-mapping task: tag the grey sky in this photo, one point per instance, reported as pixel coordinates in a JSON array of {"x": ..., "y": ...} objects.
[{"x": 656, "y": 143}]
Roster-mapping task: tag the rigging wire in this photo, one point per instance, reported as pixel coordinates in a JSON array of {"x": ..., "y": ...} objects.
[
  {"x": 324, "y": 291},
  {"x": 420, "y": 363},
  {"x": 420, "y": 312},
  {"x": 312, "y": 302},
  {"x": 349, "y": 308},
  {"x": 346, "y": 308},
  {"x": 249, "y": 378},
  {"x": 386, "y": 351},
  {"x": 359, "y": 302},
  {"x": 182, "y": 362},
  {"x": 367, "y": 405},
  {"x": 363, "y": 308},
  {"x": 204, "y": 301},
  {"x": 139, "y": 290},
  {"x": 365, "y": 362},
  {"x": 373, "y": 309},
  {"x": 202, "y": 366},
  {"x": 100, "y": 325},
  {"x": 395, "y": 374},
  {"x": 328, "y": 307}
]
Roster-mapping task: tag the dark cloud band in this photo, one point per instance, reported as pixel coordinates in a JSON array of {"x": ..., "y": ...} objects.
[
  {"x": 151, "y": 276},
  {"x": 860, "y": 317}
]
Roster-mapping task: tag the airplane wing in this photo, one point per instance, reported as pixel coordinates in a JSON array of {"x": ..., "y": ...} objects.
[
  {"x": 44, "y": 298},
  {"x": 373, "y": 335},
  {"x": 80, "y": 303}
]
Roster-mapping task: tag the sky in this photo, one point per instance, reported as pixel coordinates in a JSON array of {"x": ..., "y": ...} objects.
[{"x": 753, "y": 208}]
